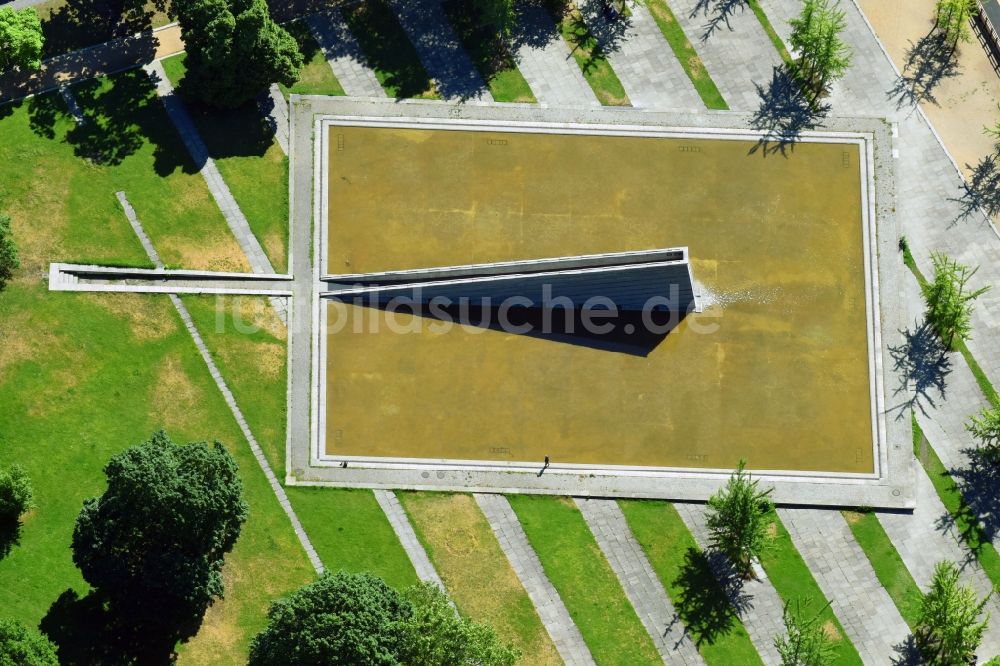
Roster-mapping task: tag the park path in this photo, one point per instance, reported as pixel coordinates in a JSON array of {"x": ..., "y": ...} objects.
[
  {"x": 407, "y": 536},
  {"x": 923, "y": 539},
  {"x": 523, "y": 559},
  {"x": 639, "y": 581},
  {"x": 756, "y": 601},
  {"x": 642, "y": 59},
  {"x": 723, "y": 41},
  {"x": 848, "y": 581},
  {"x": 544, "y": 59},
  {"x": 344, "y": 54},
  {"x": 440, "y": 50},
  {"x": 275, "y": 108}
]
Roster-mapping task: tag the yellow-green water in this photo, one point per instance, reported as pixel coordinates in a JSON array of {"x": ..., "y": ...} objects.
[{"x": 775, "y": 370}]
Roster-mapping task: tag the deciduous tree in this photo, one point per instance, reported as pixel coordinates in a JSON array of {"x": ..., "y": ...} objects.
[
  {"x": 985, "y": 427},
  {"x": 951, "y": 19},
  {"x": 8, "y": 253},
  {"x": 823, "y": 56},
  {"x": 737, "y": 520},
  {"x": 20, "y": 646},
  {"x": 950, "y": 628},
  {"x": 950, "y": 302},
  {"x": 15, "y": 493},
  {"x": 20, "y": 39},
  {"x": 805, "y": 642}
]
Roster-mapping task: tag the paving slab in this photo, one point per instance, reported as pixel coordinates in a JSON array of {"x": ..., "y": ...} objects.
[
  {"x": 545, "y": 61},
  {"x": 344, "y": 54},
  {"x": 407, "y": 536}
]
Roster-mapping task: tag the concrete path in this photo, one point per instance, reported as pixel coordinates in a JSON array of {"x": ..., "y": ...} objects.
[
  {"x": 343, "y": 52},
  {"x": 404, "y": 532},
  {"x": 922, "y": 541},
  {"x": 71, "y": 104},
  {"x": 514, "y": 543},
  {"x": 216, "y": 185},
  {"x": 641, "y": 585},
  {"x": 725, "y": 45},
  {"x": 756, "y": 601},
  {"x": 642, "y": 59},
  {"x": 275, "y": 108},
  {"x": 847, "y": 579},
  {"x": 227, "y": 395},
  {"x": 442, "y": 54},
  {"x": 544, "y": 59}
]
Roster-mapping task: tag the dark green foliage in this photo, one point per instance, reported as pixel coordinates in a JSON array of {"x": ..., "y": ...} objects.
[
  {"x": 950, "y": 626},
  {"x": 234, "y": 50},
  {"x": 15, "y": 493},
  {"x": 161, "y": 529},
  {"x": 8, "y": 253},
  {"x": 498, "y": 15},
  {"x": 20, "y": 646},
  {"x": 737, "y": 519},
  {"x": 341, "y": 618},
  {"x": 20, "y": 39}
]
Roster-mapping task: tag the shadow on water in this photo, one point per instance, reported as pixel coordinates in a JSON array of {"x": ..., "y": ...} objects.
[
  {"x": 922, "y": 366},
  {"x": 784, "y": 113},
  {"x": 718, "y": 13},
  {"x": 702, "y": 605},
  {"x": 928, "y": 62}
]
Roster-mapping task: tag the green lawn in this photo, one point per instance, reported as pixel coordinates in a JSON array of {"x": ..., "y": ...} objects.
[
  {"x": 793, "y": 582},
  {"x": 686, "y": 54},
  {"x": 316, "y": 77},
  {"x": 388, "y": 50},
  {"x": 889, "y": 567},
  {"x": 769, "y": 30},
  {"x": 590, "y": 57},
  {"x": 683, "y": 569},
  {"x": 250, "y": 160},
  {"x": 493, "y": 60},
  {"x": 577, "y": 568}
]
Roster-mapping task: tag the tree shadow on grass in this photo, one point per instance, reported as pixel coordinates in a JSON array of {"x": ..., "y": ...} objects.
[
  {"x": 10, "y": 536},
  {"x": 981, "y": 192},
  {"x": 702, "y": 605},
  {"x": 609, "y": 30},
  {"x": 928, "y": 62},
  {"x": 718, "y": 13},
  {"x": 979, "y": 483},
  {"x": 922, "y": 366},
  {"x": 784, "y": 113},
  {"x": 88, "y": 631}
]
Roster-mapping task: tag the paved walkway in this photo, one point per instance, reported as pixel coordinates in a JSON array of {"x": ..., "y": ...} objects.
[
  {"x": 756, "y": 601},
  {"x": 344, "y": 54},
  {"x": 227, "y": 395},
  {"x": 641, "y": 585},
  {"x": 274, "y": 106},
  {"x": 237, "y": 222},
  {"x": 642, "y": 59},
  {"x": 922, "y": 541},
  {"x": 404, "y": 532},
  {"x": 724, "y": 47},
  {"x": 847, "y": 579},
  {"x": 523, "y": 559},
  {"x": 442, "y": 54},
  {"x": 544, "y": 59}
]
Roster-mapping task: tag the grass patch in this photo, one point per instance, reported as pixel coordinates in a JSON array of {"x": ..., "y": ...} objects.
[
  {"x": 769, "y": 30},
  {"x": 888, "y": 566},
  {"x": 242, "y": 144},
  {"x": 792, "y": 580},
  {"x": 489, "y": 54},
  {"x": 576, "y": 567},
  {"x": 475, "y": 570},
  {"x": 683, "y": 569},
  {"x": 686, "y": 54},
  {"x": 315, "y": 77},
  {"x": 590, "y": 57},
  {"x": 388, "y": 50},
  {"x": 966, "y": 521}
]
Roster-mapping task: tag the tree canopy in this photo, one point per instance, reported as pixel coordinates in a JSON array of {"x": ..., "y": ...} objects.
[
  {"x": 949, "y": 630},
  {"x": 949, "y": 300},
  {"x": 952, "y": 19},
  {"x": 15, "y": 493},
  {"x": 822, "y": 55},
  {"x": 20, "y": 39},
  {"x": 985, "y": 427},
  {"x": 737, "y": 519},
  {"x": 20, "y": 646},
  {"x": 160, "y": 530},
  {"x": 805, "y": 642},
  {"x": 234, "y": 50},
  {"x": 8, "y": 252}
]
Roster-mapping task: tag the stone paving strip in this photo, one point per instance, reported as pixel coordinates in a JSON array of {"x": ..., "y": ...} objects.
[
  {"x": 344, "y": 55},
  {"x": 528, "y": 568},
  {"x": 844, "y": 574},
  {"x": 206, "y": 355},
  {"x": 71, "y": 104},
  {"x": 642, "y": 59},
  {"x": 642, "y": 587},
  {"x": 237, "y": 222},
  {"x": 404, "y": 532},
  {"x": 546, "y": 62},
  {"x": 726, "y": 51},
  {"x": 274, "y": 106},
  {"x": 922, "y": 541},
  {"x": 440, "y": 50},
  {"x": 756, "y": 601}
]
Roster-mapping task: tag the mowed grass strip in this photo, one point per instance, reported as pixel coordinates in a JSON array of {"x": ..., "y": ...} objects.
[
  {"x": 492, "y": 60},
  {"x": 577, "y": 568},
  {"x": 315, "y": 77},
  {"x": 590, "y": 57},
  {"x": 887, "y": 563},
  {"x": 793, "y": 582},
  {"x": 477, "y": 574},
  {"x": 242, "y": 144},
  {"x": 684, "y": 571},
  {"x": 388, "y": 51},
  {"x": 769, "y": 30},
  {"x": 686, "y": 54}
]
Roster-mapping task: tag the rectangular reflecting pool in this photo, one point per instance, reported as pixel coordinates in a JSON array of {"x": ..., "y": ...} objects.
[{"x": 775, "y": 369}]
